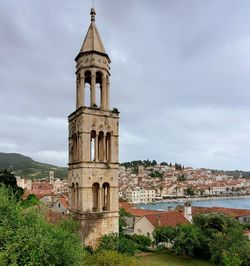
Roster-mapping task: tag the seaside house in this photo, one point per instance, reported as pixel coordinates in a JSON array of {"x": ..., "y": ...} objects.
[{"x": 147, "y": 223}]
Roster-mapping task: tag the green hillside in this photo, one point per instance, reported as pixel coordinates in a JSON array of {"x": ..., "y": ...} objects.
[{"x": 25, "y": 166}]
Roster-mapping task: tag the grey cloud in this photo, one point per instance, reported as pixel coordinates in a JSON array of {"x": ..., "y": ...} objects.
[{"x": 180, "y": 77}]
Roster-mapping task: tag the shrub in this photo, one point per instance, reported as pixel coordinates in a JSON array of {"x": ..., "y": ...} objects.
[
  {"x": 108, "y": 258},
  {"x": 187, "y": 240},
  {"x": 164, "y": 234},
  {"x": 142, "y": 242},
  {"x": 31, "y": 200},
  {"x": 26, "y": 238},
  {"x": 117, "y": 243}
]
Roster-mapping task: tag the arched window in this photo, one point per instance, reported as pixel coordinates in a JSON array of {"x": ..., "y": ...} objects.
[
  {"x": 93, "y": 145},
  {"x": 95, "y": 191},
  {"x": 101, "y": 146},
  {"x": 106, "y": 196},
  {"x": 98, "y": 88},
  {"x": 87, "y": 97},
  {"x": 108, "y": 147}
]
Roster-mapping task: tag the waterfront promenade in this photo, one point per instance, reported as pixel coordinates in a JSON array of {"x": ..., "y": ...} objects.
[{"x": 239, "y": 202}]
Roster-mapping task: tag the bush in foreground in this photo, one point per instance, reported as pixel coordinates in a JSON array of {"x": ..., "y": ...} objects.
[
  {"x": 27, "y": 238},
  {"x": 108, "y": 258},
  {"x": 117, "y": 243},
  {"x": 211, "y": 236}
]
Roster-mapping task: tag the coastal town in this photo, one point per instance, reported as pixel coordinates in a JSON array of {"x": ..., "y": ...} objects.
[
  {"x": 143, "y": 184},
  {"x": 150, "y": 182},
  {"x": 147, "y": 182}
]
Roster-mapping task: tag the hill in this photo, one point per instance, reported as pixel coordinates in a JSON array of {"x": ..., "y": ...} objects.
[
  {"x": 25, "y": 166},
  {"x": 235, "y": 173}
]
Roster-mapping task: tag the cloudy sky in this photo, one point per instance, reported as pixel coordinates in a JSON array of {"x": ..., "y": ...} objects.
[{"x": 180, "y": 77}]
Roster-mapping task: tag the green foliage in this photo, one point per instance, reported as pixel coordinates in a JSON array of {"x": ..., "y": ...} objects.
[
  {"x": 26, "y": 238},
  {"x": 120, "y": 244},
  {"x": 230, "y": 248},
  {"x": 31, "y": 200},
  {"x": 164, "y": 234},
  {"x": 9, "y": 180},
  {"x": 211, "y": 236},
  {"x": 181, "y": 178},
  {"x": 134, "y": 170},
  {"x": 25, "y": 166},
  {"x": 122, "y": 219},
  {"x": 178, "y": 166},
  {"x": 108, "y": 258},
  {"x": 246, "y": 226},
  {"x": 190, "y": 191},
  {"x": 224, "y": 239},
  {"x": 145, "y": 163},
  {"x": 142, "y": 242},
  {"x": 156, "y": 174},
  {"x": 187, "y": 240}
]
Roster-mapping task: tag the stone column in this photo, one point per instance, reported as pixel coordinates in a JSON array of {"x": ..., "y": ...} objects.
[
  {"x": 73, "y": 198},
  {"x": 100, "y": 195},
  {"x": 82, "y": 90},
  {"x": 78, "y": 103},
  {"x": 93, "y": 81},
  {"x": 76, "y": 197},
  {"x": 109, "y": 194},
  {"x": 79, "y": 198},
  {"x": 105, "y": 148},
  {"x": 107, "y": 94},
  {"x": 96, "y": 148},
  {"x": 104, "y": 93}
]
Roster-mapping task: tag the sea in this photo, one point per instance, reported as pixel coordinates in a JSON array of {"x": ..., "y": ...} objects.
[{"x": 238, "y": 203}]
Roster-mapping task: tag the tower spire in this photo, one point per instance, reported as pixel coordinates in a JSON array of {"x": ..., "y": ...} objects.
[{"x": 92, "y": 41}]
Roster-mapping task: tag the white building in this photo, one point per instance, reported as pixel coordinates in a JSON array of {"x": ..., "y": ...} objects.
[
  {"x": 24, "y": 183},
  {"x": 140, "y": 195}
]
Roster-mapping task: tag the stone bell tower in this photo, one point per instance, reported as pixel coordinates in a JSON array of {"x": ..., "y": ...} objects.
[{"x": 93, "y": 143}]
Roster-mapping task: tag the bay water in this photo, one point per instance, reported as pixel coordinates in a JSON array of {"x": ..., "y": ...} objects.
[{"x": 238, "y": 203}]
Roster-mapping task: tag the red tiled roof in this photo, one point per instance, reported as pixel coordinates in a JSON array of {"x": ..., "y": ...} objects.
[
  {"x": 130, "y": 208},
  {"x": 227, "y": 211},
  {"x": 142, "y": 212},
  {"x": 247, "y": 232},
  {"x": 64, "y": 202},
  {"x": 170, "y": 218}
]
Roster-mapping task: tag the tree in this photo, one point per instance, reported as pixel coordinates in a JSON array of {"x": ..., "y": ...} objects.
[
  {"x": 188, "y": 240},
  {"x": 123, "y": 215},
  {"x": 9, "y": 180},
  {"x": 190, "y": 191},
  {"x": 27, "y": 238},
  {"x": 142, "y": 242},
  {"x": 31, "y": 200},
  {"x": 181, "y": 178},
  {"x": 224, "y": 240},
  {"x": 164, "y": 234}
]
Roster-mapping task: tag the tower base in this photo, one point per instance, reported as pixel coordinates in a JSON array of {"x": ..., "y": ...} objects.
[{"x": 95, "y": 225}]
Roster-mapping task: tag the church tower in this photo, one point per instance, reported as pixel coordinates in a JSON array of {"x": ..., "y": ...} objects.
[{"x": 93, "y": 143}]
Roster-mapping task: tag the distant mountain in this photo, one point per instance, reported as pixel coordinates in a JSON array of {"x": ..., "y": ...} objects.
[{"x": 25, "y": 166}]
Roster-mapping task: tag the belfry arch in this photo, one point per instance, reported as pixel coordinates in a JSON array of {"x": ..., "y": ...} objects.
[
  {"x": 95, "y": 196},
  {"x": 106, "y": 197}
]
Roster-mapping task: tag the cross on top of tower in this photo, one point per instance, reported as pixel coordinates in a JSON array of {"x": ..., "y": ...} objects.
[{"x": 92, "y": 13}]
